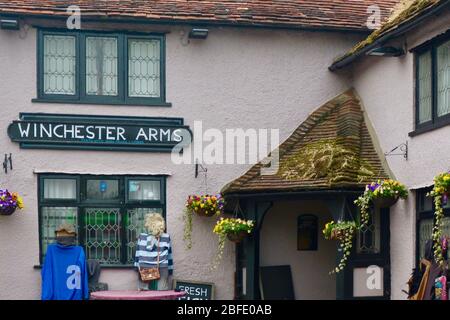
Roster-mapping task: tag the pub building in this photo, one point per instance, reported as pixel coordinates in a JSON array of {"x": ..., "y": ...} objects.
[{"x": 94, "y": 98}]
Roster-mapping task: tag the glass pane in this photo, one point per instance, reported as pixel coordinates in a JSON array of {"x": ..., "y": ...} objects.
[
  {"x": 425, "y": 203},
  {"x": 143, "y": 68},
  {"x": 60, "y": 188},
  {"x": 102, "y": 189},
  {"x": 139, "y": 190},
  {"x": 368, "y": 239},
  {"x": 52, "y": 218},
  {"x": 101, "y": 66},
  {"x": 425, "y": 230},
  {"x": 424, "y": 85},
  {"x": 134, "y": 222},
  {"x": 59, "y": 65},
  {"x": 443, "y": 79},
  {"x": 102, "y": 234}
]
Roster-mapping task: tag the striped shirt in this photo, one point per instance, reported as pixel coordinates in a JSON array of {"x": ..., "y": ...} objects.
[{"x": 147, "y": 252}]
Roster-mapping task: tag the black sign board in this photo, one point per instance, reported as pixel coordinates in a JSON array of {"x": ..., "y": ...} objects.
[
  {"x": 195, "y": 290},
  {"x": 56, "y": 131}
]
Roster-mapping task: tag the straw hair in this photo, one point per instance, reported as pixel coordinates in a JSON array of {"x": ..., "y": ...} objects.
[{"x": 155, "y": 224}]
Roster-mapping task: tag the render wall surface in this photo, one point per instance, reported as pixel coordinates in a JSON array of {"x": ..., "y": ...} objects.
[
  {"x": 279, "y": 247},
  {"x": 236, "y": 78},
  {"x": 386, "y": 87}
]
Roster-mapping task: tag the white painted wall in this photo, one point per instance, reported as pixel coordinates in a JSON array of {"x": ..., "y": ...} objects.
[
  {"x": 279, "y": 247},
  {"x": 236, "y": 78},
  {"x": 386, "y": 87}
]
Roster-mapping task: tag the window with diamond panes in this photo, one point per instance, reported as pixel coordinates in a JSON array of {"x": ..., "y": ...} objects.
[
  {"x": 368, "y": 238},
  {"x": 106, "y": 68},
  {"x": 143, "y": 68},
  {"x": 134, "y": 220},
  {"x": 59, "y": 65},
  {"x": 107, "y": 220},
  {"x": 102, "y": 236},
  {"x": 433, "y": 83}
]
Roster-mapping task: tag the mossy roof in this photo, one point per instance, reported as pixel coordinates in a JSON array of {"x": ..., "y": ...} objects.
[
  {"x": 411, "y": 12},
  {"x": 331, "y": 149}
]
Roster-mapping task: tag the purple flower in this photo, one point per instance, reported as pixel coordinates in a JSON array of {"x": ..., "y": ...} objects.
[{"x": 373, "y": 187}]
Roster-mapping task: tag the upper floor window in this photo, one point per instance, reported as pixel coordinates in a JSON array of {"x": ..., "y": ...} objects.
[
  {"x": 433, "y": 83},
  {"x": 107, "y": 68}
]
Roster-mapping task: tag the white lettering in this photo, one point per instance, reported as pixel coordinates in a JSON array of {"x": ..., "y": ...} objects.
[
  {"x": 24, "y": 132},
  {"x": 141, "y": 133},
  {"x": 78, "y": 134},
  {"x": 120, "y": 133},
  {"x": 55, "y": 132},
  {"x": 90, "y": 132}
]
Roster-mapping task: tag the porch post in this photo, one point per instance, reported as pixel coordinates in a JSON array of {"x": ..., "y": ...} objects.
[
  {"x": 336, "y": 205},
  {"x": 254, "y": 211},
  {"x": 251, "y": 247}
]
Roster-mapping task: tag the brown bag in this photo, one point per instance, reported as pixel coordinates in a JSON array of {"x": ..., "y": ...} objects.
[{"x": 149, "y": 274}]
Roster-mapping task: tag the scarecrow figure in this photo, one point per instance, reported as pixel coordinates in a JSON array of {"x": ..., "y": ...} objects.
[{"x": 154, "y": 255}]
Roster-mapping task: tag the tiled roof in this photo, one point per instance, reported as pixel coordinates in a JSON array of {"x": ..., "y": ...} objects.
[
  {"x": 409, "y": 14},
  {"x": 331, "y": 149},
  {"x": 316, "y": 14}
]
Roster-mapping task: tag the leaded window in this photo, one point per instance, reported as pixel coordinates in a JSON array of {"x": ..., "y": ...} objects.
[
  {"x": 107, "y": 211},
  {"x": 433, "y": 83},
  {"x": 104, "y": 68},
  {"x": 425, "y": 220},
  {"x": 368, "y": 238},
  {"x": 59, "y": 64}
]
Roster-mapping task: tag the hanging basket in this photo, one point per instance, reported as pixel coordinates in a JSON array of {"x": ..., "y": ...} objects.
[
  {"x": 384, "y": 202},
  {"x": 203, "y": 212},
  {"x": 7, "y": 211},
  {"x": 339, "y": 234},
  {"x": 237, "y": 237}
]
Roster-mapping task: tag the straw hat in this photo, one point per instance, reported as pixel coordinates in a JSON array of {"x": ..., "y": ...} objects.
[{"x": 66, "y": 229}]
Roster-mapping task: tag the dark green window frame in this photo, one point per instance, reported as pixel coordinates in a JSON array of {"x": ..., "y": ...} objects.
[
  {"x": 82, "y": 203},
  {"x": 436, "y": 121},
  {"x": 425, "y": 213},
  {"x": 80, "y": 95}
]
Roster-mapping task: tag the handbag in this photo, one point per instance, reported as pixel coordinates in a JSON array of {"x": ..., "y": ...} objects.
[{"x": 149, "y": 274}]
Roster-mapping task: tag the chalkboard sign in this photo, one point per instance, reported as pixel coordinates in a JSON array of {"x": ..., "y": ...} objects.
[{"x": 195, "y": 290}]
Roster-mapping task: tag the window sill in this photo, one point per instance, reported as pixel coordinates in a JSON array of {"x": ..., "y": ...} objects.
[
  {"x": 38, "y": 267},
  {"x": 430, "y": 127},
  {"x": 126, "y": 104}
]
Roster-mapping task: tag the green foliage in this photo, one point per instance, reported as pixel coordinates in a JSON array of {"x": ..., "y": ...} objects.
[{"x": 441, "y": 188}]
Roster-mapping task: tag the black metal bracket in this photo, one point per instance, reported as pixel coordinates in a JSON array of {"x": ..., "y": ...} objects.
[
  {"x": 199, "y": 168},
  {"x": 8, "y": 160},
  {"x": 403, "y": 148}
]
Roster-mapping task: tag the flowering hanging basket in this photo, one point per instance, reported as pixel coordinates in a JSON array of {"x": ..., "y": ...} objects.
[
  {"x": 233, "y": 229},
  {"x": 385, "y": 202},
  {"x": 9, "y": 202},
  {"x": 204, "y": 212},
  {"x": 7, "y": 211},
  {"x": 237, "y": 237},
  {"x": 203, "y": 206}
]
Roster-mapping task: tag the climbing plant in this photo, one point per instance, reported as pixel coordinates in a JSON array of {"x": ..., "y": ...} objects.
[{"x": 439, "y": 193}]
